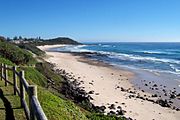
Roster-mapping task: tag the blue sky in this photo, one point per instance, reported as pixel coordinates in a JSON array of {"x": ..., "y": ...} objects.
[{"x": 92, "y": 20}]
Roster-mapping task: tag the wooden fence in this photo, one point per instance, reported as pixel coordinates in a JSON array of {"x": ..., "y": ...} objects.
[{"x": 34, "y": 110}]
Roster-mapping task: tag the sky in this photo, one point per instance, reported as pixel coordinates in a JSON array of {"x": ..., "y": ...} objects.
[{"x": 92, "y": 20}]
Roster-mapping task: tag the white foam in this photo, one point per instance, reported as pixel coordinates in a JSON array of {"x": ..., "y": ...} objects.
[
  {"x": 153, "y": 52},
  {"x": 106, "y": 45},
  {"x": 137, "y": 57}
]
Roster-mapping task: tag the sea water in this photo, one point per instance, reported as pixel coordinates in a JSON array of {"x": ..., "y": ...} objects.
[{"x": 153, "y": 61}]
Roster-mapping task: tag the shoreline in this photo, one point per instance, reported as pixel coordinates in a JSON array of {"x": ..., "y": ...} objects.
[{"x": 116, "y": 90}]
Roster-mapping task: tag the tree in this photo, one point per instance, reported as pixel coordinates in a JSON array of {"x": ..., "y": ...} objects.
[
  {"x": 2, "y": 38},
  {"x": 8, "y": 39},
  {"x": 20, "y": 38},
  {"x": 15, "y": 38}
]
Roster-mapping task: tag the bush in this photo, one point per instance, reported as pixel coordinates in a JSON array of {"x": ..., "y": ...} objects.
[
  {"x": 2, "y": 38},
  {"x": 47, "y": 70},
  {"x": 15, "y": 54},
  {"x": 32, "y": 48}
]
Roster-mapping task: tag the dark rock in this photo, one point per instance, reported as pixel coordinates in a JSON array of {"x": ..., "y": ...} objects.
[
  {"x": 90, "y": 83},
  {"x": 119, "y": 107},
  {"x": 102, "y": 108},
  {"x": 156, "y": 89},
  {"x": 155, "y": 95},
  {"x": 172, "y": 96},
  {"x": 122, "y": 89},
  {"x": 120, "y": 112},
  {"x": 154, "y": 85},
  {"x": 111, "y": 113},
  {"x": 131, "y": 96},
  {"x": 163, "y": 90},
  {"x": 163, "y": 103},
  {"x": 91, "y": 92},
  {"x": 132, "y": 92},
  {"x": 150, "y": 100},
  {"x": 112, "y": 106}
]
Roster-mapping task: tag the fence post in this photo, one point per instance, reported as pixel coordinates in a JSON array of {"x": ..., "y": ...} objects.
[
  {"x": 2, "y": 71},
  {"x": 32, "y": 92},
  {"x": 22, "y": 90},
  {"x": 14, "y": 79},
  {"x": 5, "y": 74}
]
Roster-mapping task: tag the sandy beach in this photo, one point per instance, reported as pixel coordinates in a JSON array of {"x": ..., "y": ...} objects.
[{"x": 109, "y": 86}]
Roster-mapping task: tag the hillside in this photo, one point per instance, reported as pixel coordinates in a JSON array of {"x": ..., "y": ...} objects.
[{"x": 39, "y": 41}]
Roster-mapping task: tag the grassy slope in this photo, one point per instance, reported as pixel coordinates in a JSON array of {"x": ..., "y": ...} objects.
[{"x": 55, "y": 108}]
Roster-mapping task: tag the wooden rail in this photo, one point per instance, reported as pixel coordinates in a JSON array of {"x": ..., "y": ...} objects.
[{"x": 34, "y": 109}]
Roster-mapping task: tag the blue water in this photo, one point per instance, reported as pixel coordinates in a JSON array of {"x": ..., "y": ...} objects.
[{"x": 161, "y": 57}]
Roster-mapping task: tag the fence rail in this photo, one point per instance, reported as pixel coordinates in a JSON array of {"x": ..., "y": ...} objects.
[{"x": 34, "y": 110}]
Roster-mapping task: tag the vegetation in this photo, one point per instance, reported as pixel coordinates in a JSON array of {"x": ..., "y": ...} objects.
[
  {"x": 34, "y": 77},
  {"x": 59, "y": 40},
  {"x": 38, "y": 41},
  {"x": 6, "y": 61},
  {"x": 14, "y": 100},
  {"x": 46, "y": 69},
  {"x": 2, "y": 38},
  {"x": 31, "y": 48},
  {"x": 15, "y": 54},
  {"x": 58, "y": 109}
]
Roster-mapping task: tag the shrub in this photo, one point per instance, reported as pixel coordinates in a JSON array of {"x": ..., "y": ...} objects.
[
  {"x": 32, "y": 48},
  {"x": 15, "y": 54}
]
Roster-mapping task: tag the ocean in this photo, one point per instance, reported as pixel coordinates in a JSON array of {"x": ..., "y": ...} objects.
[{"x": 157, "y": 61}]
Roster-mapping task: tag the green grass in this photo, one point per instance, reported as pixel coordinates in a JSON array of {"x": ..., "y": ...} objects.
[
  {"x": 56, "y": 108},
  {"x": 34, "y": 77},
  {"x": 14, "y": 100},
  {"x": 6, "y": 61}
]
